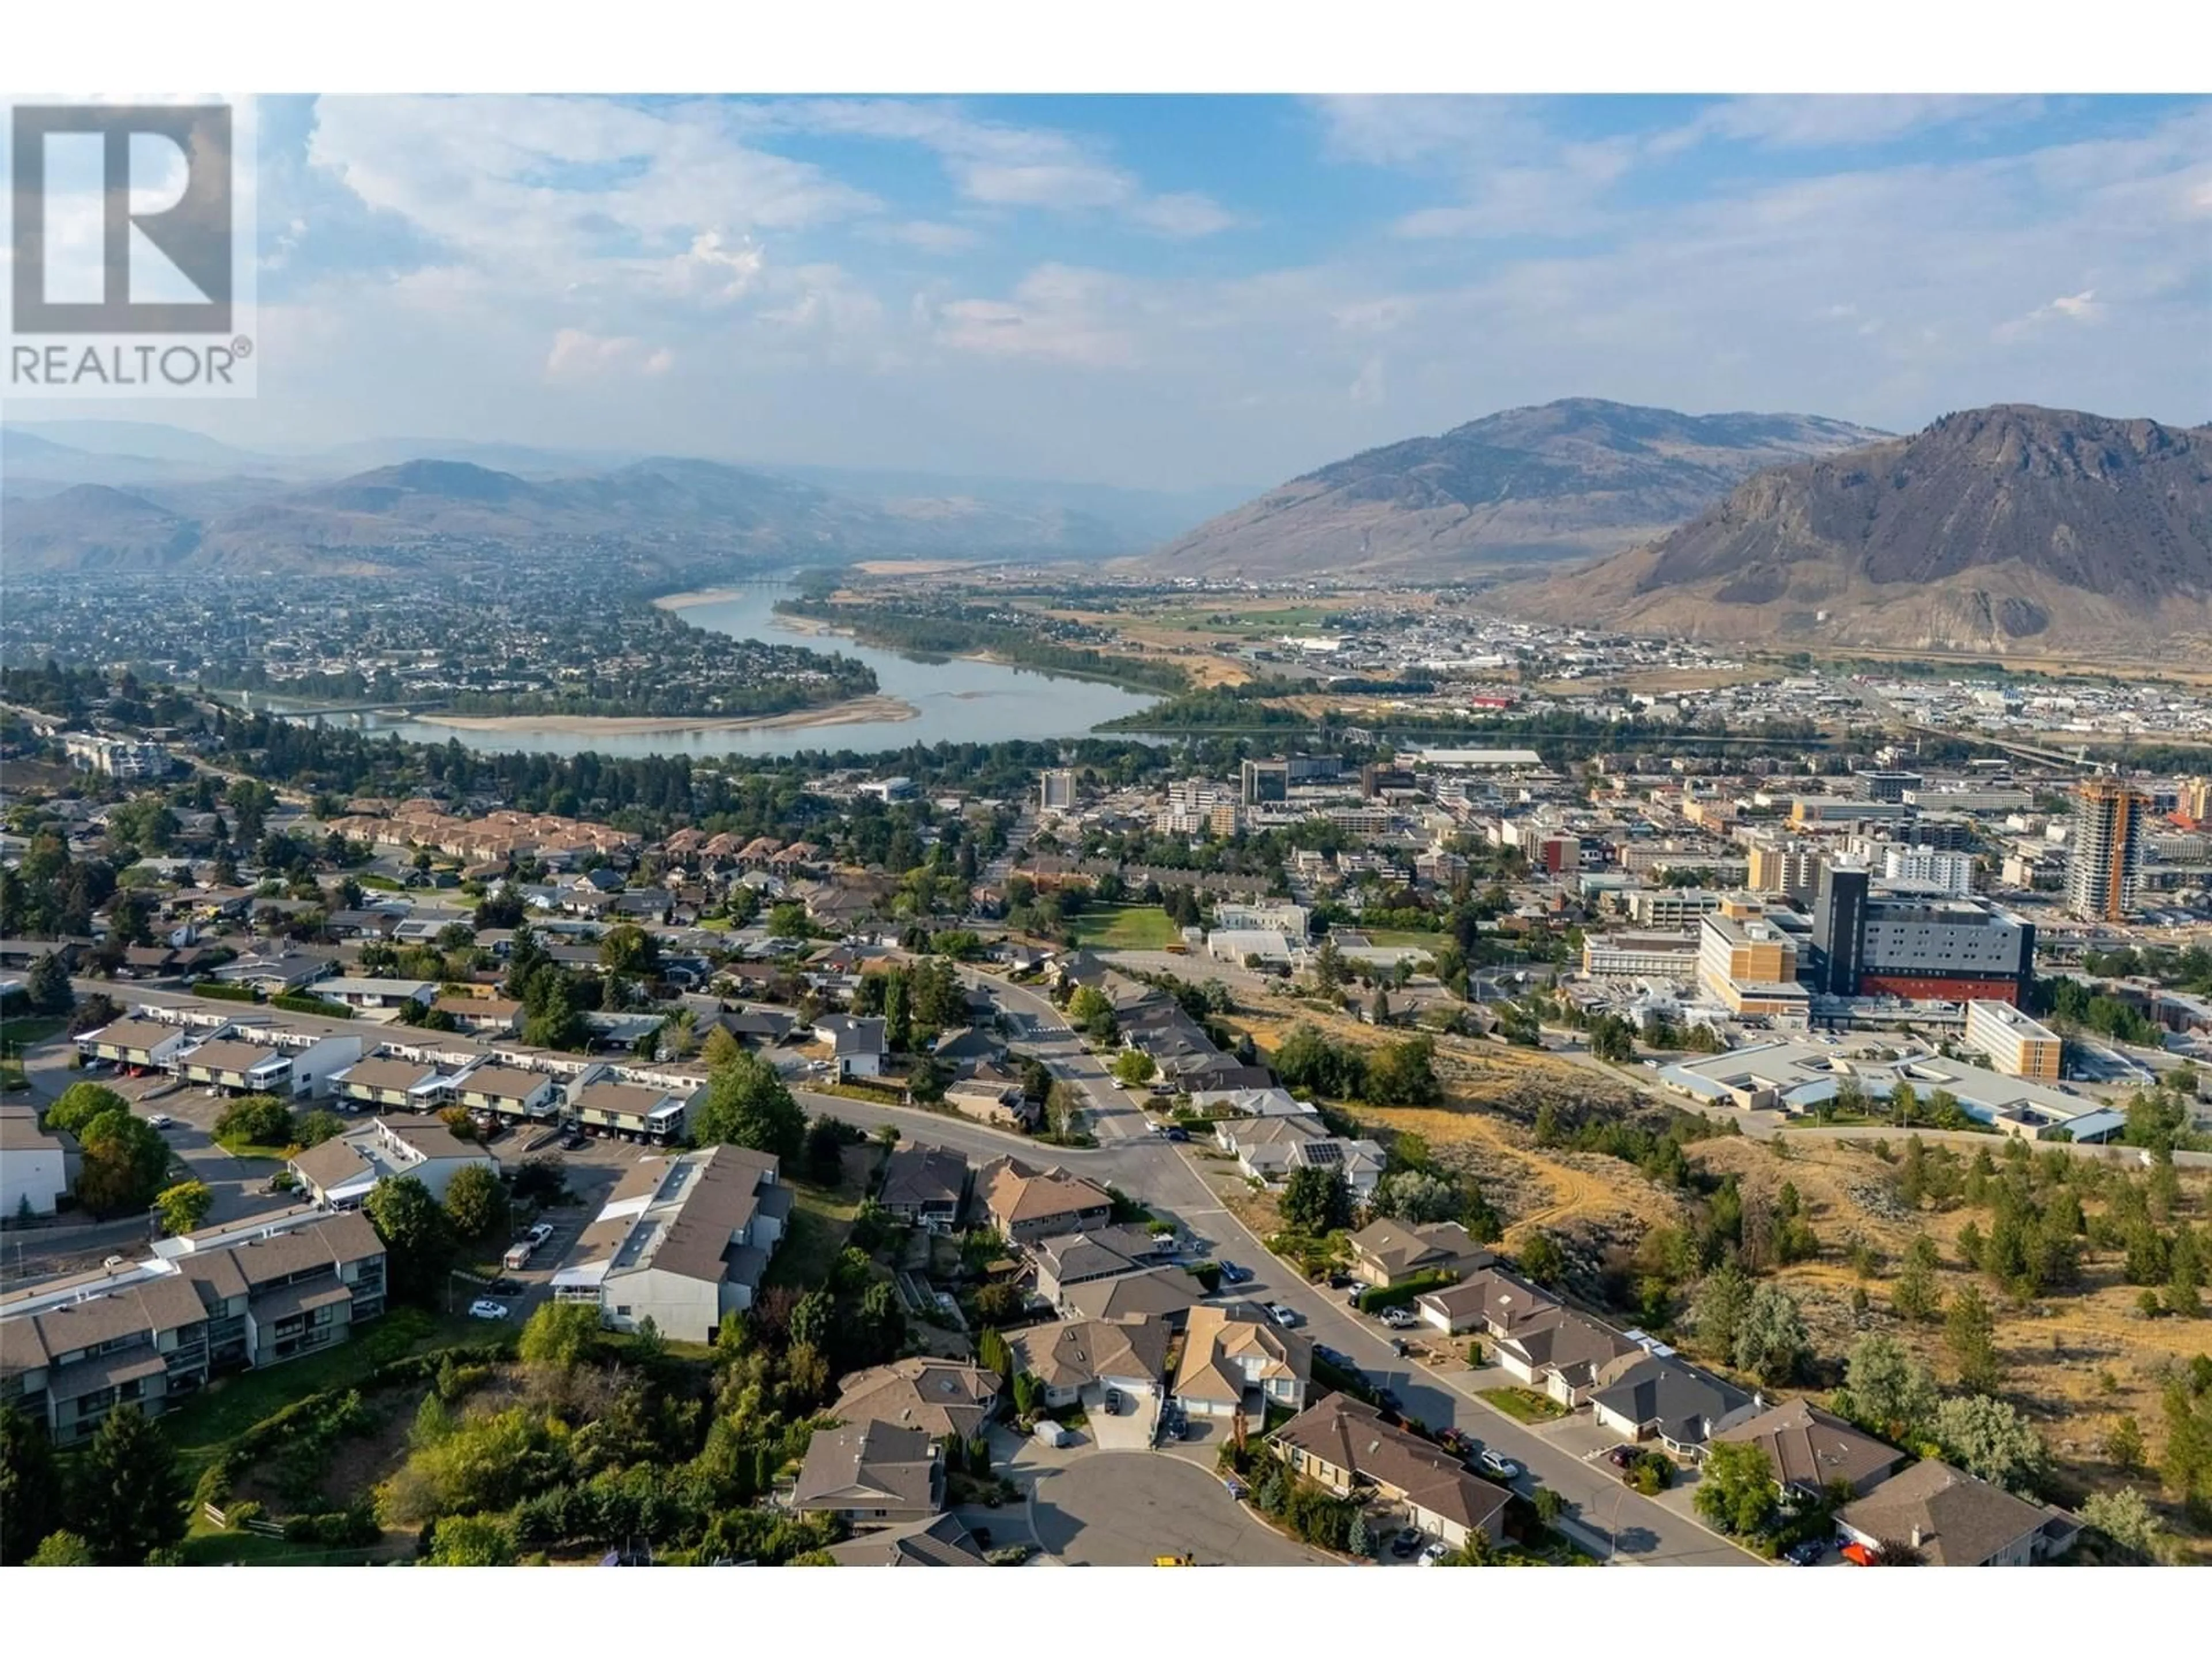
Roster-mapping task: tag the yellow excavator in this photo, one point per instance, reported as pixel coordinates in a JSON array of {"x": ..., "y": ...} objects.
[{"x": 1175, "y": 1560}]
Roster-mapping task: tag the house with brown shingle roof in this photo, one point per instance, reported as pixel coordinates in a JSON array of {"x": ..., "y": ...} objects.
[
  {"x": 1811, "y": 1450},
  {"x": 1128, "y": 1355},
  {"x": 1388, "y": 1252},
  {"x": 940, "y": 1541},
  {"x": 1027, "y": 1204},
  {"x": 871, "y": 1473},
  {"x": 1955, "y": 1520},
  {"x": 1345, "y": 1445},
  {"x": 937, "y": 1396}
]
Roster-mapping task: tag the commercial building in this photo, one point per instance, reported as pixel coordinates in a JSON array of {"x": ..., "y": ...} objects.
[
  {"x": 2016, "y": 1045},
  {"x": 1056, "y": 791},
  {"x": 1950, "y": 873},
  {"x": 1640, "y": 955},
  {"x": 1969, "y": 800},
  {"x": 2105, "y": 856},
  {"x": 1266, "y": 780},
  {"x": 1789, "y": 868},
  {"x": 1746, "y": 960},
  {"x": 1668, "y": 907},
  {"x": 1915, "y": 947},
  {"x": 682, "y": 1241},
  {"x": 1885, "y": 786}
]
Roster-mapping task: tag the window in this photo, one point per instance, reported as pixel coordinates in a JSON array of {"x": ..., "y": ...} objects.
[{"x": 622, "y": 1310}]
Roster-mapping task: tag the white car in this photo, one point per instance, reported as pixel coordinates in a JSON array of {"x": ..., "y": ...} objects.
[
  {"x": 1397, "y": 1318},
  {"x": 482, "y": 1309},
  {"x": 161, "y": 1120},
  {"x": 1435, "y": 1553},
  {"x": 1498, "y": 1468},
  {"x": 1285, "y": 1316},
  {"x": 541, "y": 1232}
]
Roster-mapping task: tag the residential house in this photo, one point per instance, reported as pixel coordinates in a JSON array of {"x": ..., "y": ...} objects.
[
  {"x": 386, "y": 1082},
  {"x": 1561, "y": 1353},
  {"x": 1345, "y": 1445},
  {"x": 343, "y": 1171},
  {"x": 1274, "y": 1102},
  {"x": 491, "y": 1016},
  {"x": 999, "y": 1102},
  {"x": 1236, "y": 1361},
  {"x": 1388, "y": 1252},
  {"x": 937, "y": 1396},
  {"x": 871, "y": 1473},
  {"x": 1652, "y": 1396},
  {"x": 278, "y": 974},
  {"x": 69, "y": 1365},
  {"x": 141, "y": 1044},
  {"x": 1027, "y": 1204},
  {"x": 1070, "y": 1259},
  {"x": 1165, "y": 1293},
  {"x": 235, "y": 1065},
  {"x": 965, "y": 1043},
  {"x": 376, "y": 995},
  {"x": 1811, "y": 1450},
  {"x": 507, "y": 1091},
  {"x": 1955, "y": 1520},
  {"x": 939, "y": 1541},
  {"x": 856, "y": 1044},
  {"x": 34, "y": 1163},
  {"x": 1079, "y": 1359},
  {"x": 682, "y": 1241},
  {"x": 635, "y": 1111},
  {"x": 1489, "y": 1300},
  {"x": 924, "y": 1186}
]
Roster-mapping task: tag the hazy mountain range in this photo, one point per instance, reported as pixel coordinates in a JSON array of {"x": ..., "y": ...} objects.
[
  {"x": 1561, "y": 481},
  {"x": 93, "y": 495},
  {"x": 2007, "y": 528}
]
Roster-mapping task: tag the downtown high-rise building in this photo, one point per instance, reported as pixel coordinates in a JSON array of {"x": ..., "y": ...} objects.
[{"x": 2105, "y": 854}]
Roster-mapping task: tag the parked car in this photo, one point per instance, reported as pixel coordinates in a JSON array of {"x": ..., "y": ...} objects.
[
  {"x": 1621, "y": 1456},
  {"x": 1435, "y": 1554},
  {"x": 1405, "y": 1541},
  {"x": 540, "y": 1232},
  {"x": 1343, "y": 1282},
  {"x": 162, "y": 1120},
  {"x": 575, "y": 1140},
  {"x": 1455, "y": 1443},
  {"x": 1342, "y": 1361},
  {"x": 484, "y": 1309},
  {"x": 1178, "y": 1132},
  {"x": 1397, "y": 1318},
  {"x": 505, "y": 1287},
  {"x": 1285, "y": 1314},
  {"x": 1496, "y": 1466},
  {"x": 1807, "y": 1554},
  {"x": 1113, "y": 1402},
  {"x": 1233, "y": 1274}
]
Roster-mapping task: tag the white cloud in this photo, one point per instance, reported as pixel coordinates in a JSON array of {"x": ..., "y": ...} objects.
[
  {"x": 929, "y": 235},
  {"x": 1056, "y": 314},
  {"x": 578, "y": 355}
]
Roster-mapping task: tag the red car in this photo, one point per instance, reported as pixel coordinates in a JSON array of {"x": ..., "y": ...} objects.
[{"x": 1858, "y": 1555}]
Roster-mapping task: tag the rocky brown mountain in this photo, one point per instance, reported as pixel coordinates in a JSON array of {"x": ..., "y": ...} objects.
[
  {"x": 1560, "y": 481},
  {"x": 2007, "y": 528}
]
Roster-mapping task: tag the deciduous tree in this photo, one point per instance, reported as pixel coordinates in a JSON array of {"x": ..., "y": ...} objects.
[{"x": 748, "y": 1105}]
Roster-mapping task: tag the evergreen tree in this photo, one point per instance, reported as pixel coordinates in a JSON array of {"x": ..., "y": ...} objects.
[
  {"x": 128, "y": 1498},
  {"x": 30, "y": 1485}
]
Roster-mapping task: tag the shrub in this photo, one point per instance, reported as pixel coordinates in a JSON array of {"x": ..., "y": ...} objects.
[{"x": 1377, "y": 1297}]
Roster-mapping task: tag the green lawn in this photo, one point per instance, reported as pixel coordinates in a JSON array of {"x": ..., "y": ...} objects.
[
  {"x": 382, "y": 884},
  {"x": 17, "y": 1035},
  {"x": 1125, "y": 927},
  {"x": 819, "y": 1222},
  {"x": 1404, "y": 939},
  {"x": 1524, "y": 1405},
  {"x": 210, "y": 1420},
  {"x": 249, "y": 1149}
]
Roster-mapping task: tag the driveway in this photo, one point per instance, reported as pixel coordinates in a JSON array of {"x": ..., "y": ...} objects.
[
  {"x": 1128, "y": 1430},
  {"x": 1123, "y": 1508}
]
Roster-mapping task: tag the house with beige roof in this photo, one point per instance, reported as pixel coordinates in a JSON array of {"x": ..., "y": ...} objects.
[
  {"x": 937, "y": 1396},
  {"x": 1077, "y": 1359},
  {"x": 1027, "y": 1204},
  {"x": 1166, "y": 1293},
  {"x": 1066, "y": 1260},
  {"x": 1345, "y": 1445},
  {"x": 872, "y": 1473},
  {"x": 1560, "y": 1352},
  {"x": 343, "y": 1171},
  {"x": 1388, "y": 1252},
  {"x": 1236, "y": 1361},
  {"x": 141, "y": 1044},
  {"x": 636, "y": 1111},
  {"x": 943, "y": 1540},
  {"x": 388, "y": 1082},
  {"x": 683, "y": 1240},
  {"x": 507, "y": 1091}
]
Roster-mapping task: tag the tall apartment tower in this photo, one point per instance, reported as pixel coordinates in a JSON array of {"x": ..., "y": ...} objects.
[
  {"x": 1839, "y": 929},
  {"x": 2106, "y": 856},
  {"x": 1056, "y": 791}
]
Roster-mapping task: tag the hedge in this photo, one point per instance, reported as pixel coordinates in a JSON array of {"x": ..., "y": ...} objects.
[
  {"x": 1379, "y": 1296},
  {"x": 299, "y": 1002},
  {"x": 223, "y": 991}
]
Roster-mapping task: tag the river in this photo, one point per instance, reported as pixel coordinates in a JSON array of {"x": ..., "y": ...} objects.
[{"x": 956, "y": 701}]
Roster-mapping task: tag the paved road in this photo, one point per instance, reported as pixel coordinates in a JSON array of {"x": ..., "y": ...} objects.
[{"x": 1117, "y": 1509}]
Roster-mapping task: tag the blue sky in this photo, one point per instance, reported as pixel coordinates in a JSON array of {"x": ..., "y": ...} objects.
[{"x": 1188, "y": 291}]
